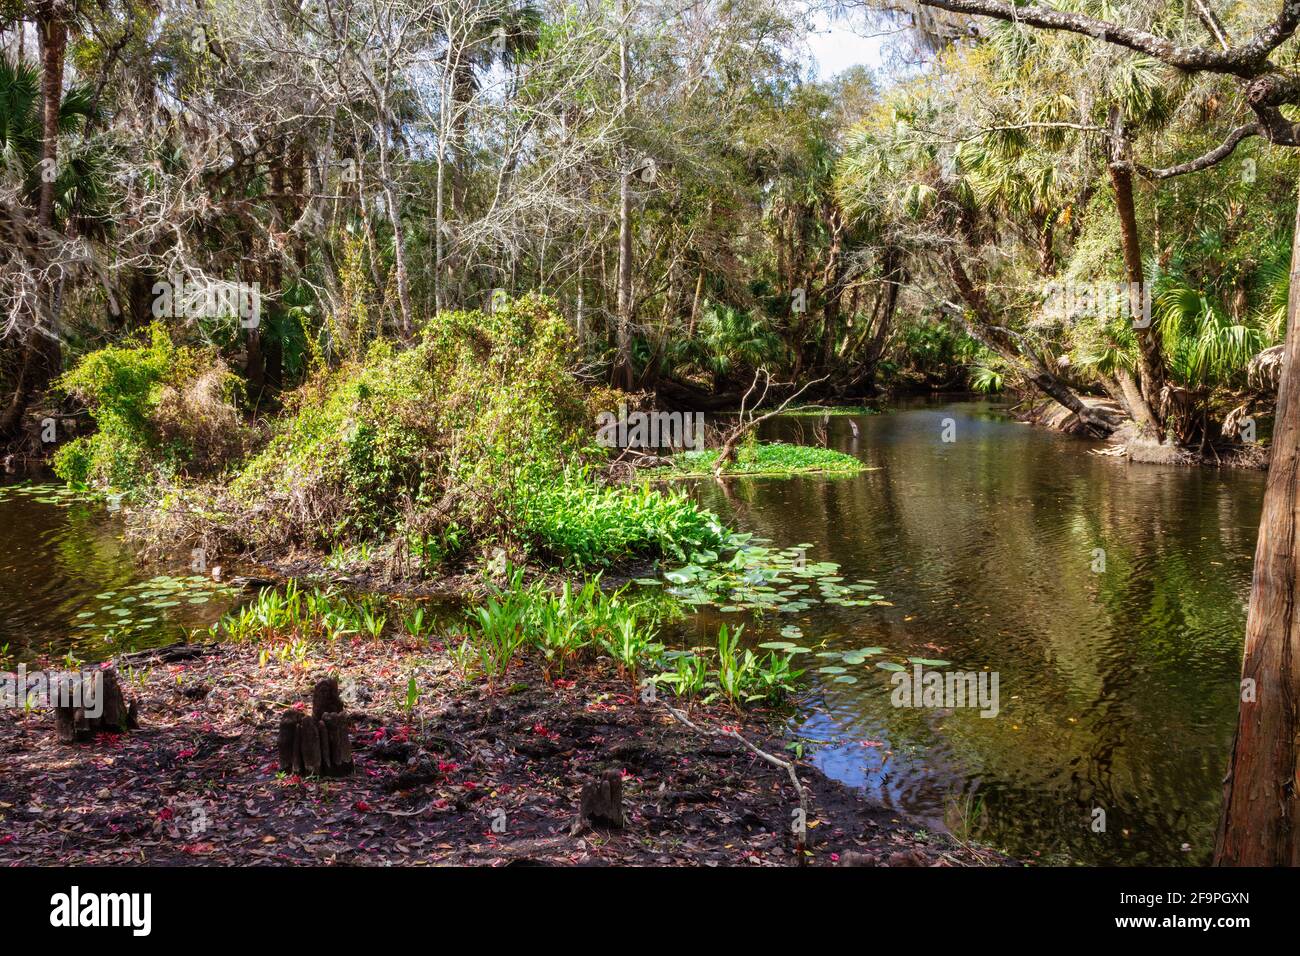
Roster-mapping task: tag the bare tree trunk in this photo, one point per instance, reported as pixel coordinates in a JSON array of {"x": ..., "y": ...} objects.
[
  {"x": 832, "y": 287},
  {"x": 623, "y": 332},
  {"x": 892, "y": 269},
  {"x": 1260, "y": 825},
  {"x": 695, "y": 303},
  {"x": 580, "y": 310},
  {"x": 55, "y": 46},
  {"x": 1151, "y": 371},
  {"x": 43, "y": 351}
]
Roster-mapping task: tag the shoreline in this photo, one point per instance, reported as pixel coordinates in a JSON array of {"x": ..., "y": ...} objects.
[
  {"x": 1127, "y": 444},
  {"x": 199, "y": 782}
]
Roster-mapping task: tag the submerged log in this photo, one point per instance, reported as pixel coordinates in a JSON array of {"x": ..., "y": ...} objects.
[
  {"x": 319, "y": 744},
  {"x": 89, "y": 703}
]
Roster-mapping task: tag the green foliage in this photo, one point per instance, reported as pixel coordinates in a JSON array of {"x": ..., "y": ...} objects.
[
  {"x": 79, "y": 183},
  {"x": 739, "y": 676},
  {"x": 561, "y": 626},
  {"x": 499, "y": 630},
  {"x": 987, "y": 380},
  {"x": 729, "y": 344},
  {"x": 160, "y": 410},
  {"x": 588, "y": 525},
  {"x": 690, "y": 674},
  {"x": 476, "y": 434},
  {"x": 768, "y": 459},
  {"x": 425, "y": 442}
]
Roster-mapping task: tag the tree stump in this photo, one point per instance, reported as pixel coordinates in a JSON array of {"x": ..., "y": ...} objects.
[
  {"x": 325, "y": 698},
  {"x": 602, "y": 802},
  {"x": 89, "y": 703},
  {"x": 319, "y": 744},
  {"x": 337, "y": 734}
]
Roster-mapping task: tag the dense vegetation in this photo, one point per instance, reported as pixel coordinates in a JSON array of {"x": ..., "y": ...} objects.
[
  {"x": 962, "y": 225},
  {"x": 355, "y": 277}
]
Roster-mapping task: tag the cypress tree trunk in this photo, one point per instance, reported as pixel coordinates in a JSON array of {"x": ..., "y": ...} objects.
[{"x": 1261, "y": 802}]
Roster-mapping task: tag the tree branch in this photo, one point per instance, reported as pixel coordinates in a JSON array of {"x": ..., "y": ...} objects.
[
  {"x": 1212, "y": 158},
  {"x": 1246, "y": 61}
]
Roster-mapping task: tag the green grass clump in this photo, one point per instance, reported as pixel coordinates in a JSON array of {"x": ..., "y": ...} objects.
[
  {"x": 819, "y": 411},
  {"x": 774, "y": 459}
]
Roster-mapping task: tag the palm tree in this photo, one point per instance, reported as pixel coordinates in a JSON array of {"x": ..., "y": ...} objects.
[{"x": 31, "y": 126}]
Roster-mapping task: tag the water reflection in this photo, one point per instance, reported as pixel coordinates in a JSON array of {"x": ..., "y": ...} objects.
[
  {"x": 68, "y": 584},
  {"x": 1109, "y": 597},
  {"x": 1118, "y": 686}
]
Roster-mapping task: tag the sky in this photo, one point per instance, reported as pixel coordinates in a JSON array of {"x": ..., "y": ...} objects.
[{"x": 835, "y": 48}]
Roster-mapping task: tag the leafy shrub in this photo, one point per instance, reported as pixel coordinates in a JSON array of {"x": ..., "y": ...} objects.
[
  {"x": 421, "y": 443},
  {"x": 587, "y": 524},
  {"x": 476, "y": 434},
  {"x": 160, "y": 410}
]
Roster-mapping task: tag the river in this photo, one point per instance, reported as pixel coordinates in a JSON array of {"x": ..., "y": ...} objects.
[{"x": 1109, "y": 598}]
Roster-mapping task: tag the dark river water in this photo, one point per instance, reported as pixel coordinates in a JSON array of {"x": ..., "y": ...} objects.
[
  {"x": 1117, "y": 678},
  {"x": 1109, "y": 599}
]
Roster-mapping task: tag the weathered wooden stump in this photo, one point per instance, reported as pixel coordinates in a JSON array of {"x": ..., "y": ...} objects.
[
  {"x": 320, "y": 743},
  {"x": 602, "y": 802},
  {"x": 325, "y": 698},
  {"x": 89, "y": 703}
]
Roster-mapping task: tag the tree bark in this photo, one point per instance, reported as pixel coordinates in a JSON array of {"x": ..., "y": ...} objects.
[
  {"x": 832, "y": 286},
  {"x": 892, "y": 270},
  {"x": 1261, "y": 796},
  {"x": 55, "y": 34},
  {"x": 43, "y": 351},
  {"x": 1151, "y": 367},
  {"x": 623, "y": 331}
]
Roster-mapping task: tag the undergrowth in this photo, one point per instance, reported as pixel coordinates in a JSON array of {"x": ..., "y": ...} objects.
[{"x": 475, "y": 436}]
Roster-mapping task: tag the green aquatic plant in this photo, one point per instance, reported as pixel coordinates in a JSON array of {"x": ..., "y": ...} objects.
[
  {"x": 760, "y": 579},
  {"x": 822, "y": 411},
  {"x": 413, "y": 622},
  {"x": 742, "y": 677},
  {"x": 630, "y": 643},
  {"x": 412, "y": 694},
  {"x": 372, "y": 622},
  {"x": 689, "y": 676},
  {"x": 586, "y": 524},
  {"x": 774, "y": 459}
]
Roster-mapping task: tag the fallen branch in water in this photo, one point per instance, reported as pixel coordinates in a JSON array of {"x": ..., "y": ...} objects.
[{"x": 745, "y": 425}]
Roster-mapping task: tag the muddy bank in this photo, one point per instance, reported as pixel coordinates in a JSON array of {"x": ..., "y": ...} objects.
[
  {"x": 199, "y": 782},
  {"x": 1129, "y": 443}
]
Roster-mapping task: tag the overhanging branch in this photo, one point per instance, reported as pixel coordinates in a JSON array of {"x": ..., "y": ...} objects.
[{"x": 1212, "y": 158}]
